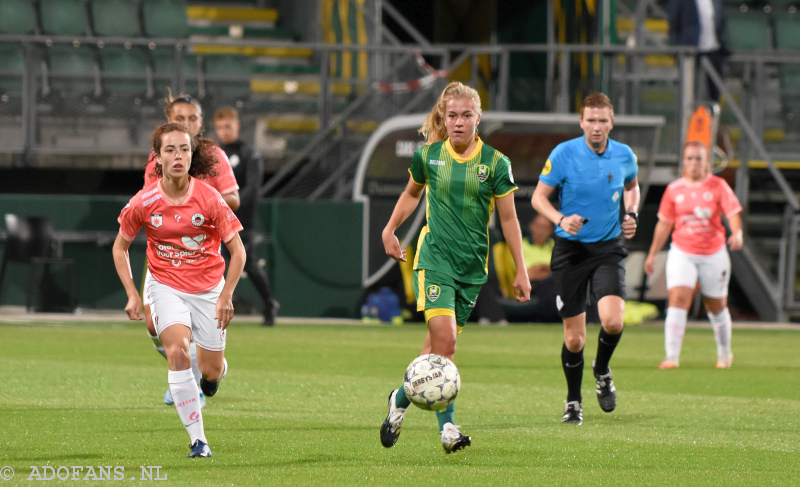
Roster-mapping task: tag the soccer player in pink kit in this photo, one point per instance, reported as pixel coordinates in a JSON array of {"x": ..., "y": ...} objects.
[
  {"x": 186, "y": 110},
  {"x": 185, "y": 221},
  {"x": 694, "y": 206}
]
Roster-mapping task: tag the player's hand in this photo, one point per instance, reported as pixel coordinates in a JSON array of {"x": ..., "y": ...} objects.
[
  {"x": 628, "y": 226},
  {"x": 572, "y": 224},
  {"x": 224, "y": 311},
  {"x": 392, "y": 246},
  {"x": 736, "y": 241},
  {"x": 650, "y": 265},
  {"x": 522, "y": 287},
  {"x": 134, "y": 308}
]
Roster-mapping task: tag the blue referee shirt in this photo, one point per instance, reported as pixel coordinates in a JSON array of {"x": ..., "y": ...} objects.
[{"x": 591, "y": 185}]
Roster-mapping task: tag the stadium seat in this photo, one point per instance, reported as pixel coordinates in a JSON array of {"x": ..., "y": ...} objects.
[
  {"x": 230, "y": 65},
  {"x": 17, "y": 17},
  {"x": 165, "y": 18},
  {"x": 12, "y": 61},
  {"x": 748, "y": 30},
  {"x": 63, "y": 17},
  {"x": 787, "y": 33},
  {"x": 29, "y": 241},
  {"x": 118, "y": 18},
  {"x": 163, "y": 62},
  {"x": 118, "y": 60},
  {"x": 70, "y": 61}
]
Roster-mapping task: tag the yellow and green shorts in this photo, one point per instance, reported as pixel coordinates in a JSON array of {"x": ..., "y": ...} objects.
[{"x": 440, "y": 295}]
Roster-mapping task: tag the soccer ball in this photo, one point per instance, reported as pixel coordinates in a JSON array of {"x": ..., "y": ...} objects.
[{"x": 431, "y": 382}]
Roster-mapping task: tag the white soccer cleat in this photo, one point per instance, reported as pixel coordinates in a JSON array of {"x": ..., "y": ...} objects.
[
  {"x": 453, "y": 440},
  {"x": 390, "y": 429}
]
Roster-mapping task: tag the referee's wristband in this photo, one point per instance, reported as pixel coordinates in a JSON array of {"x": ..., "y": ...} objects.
[{"x": 635, "y": 217}]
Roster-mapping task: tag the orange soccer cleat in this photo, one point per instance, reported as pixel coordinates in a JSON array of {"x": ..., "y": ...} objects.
[{"x": 668, "y": 364}]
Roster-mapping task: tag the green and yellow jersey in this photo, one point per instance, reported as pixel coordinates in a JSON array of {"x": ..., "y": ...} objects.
[{"x": 460, "y": 199}]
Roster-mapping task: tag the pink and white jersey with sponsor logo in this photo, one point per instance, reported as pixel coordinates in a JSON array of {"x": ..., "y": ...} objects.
[
  {"x": 183, "y": 239},
  {"x": 696, "y": 210},
  {"x": 224, "y": 181}
]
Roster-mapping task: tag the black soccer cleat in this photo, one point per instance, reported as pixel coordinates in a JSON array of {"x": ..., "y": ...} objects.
[
  {"x": 573, "y": 413},
  {"x": 199, "y": 450},
  {"x": 390, "y": 429},
  {"x": 208, "y": 387},
  {"x": 271, "y": 313},
  {"x": 454, "y": 440},
  {"x": 606, "y": 392}
]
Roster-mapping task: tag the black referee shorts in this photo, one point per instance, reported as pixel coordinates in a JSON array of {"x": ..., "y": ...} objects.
[{"x": 580, "y": 268}]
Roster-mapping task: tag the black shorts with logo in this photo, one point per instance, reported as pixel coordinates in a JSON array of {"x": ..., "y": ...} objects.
[{"x": 580, "y": 268}]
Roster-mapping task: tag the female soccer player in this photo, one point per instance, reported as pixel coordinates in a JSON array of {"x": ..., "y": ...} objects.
[
  {"x": 694, "y": 205},
  {"x": 464, "y": 179},
  {"x": 187, "y": 110},
  {"x": 185, "y": 220}
]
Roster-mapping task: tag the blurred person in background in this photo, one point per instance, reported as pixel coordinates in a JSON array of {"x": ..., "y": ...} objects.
[
  {"x": 247, "y": 169},
  {"x": 691, "y": 210},
  {"x": 186, "y": 110}
]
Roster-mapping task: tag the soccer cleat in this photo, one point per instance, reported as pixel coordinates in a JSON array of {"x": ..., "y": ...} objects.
[
  {"x": 199, "y": 450},
  {"x": 390, "y": 429},
  {"x": 668, "y": 364},
  {"x": 606, "y": 392},
  {"x": 453, "y": 440},
  {"x": 169, "y": 401},
  {"x": 208, "y": 387},
  {"x": 573, "y": 413},
  {"x": 725, "y": 363}
]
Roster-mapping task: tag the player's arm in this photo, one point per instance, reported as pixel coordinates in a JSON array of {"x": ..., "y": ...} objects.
[
  {"x": 541, "y": 203},
  {"x": 232, "y": 199},
  {"x": 224, "y": 309},
  {"x": 631, "y": 196},
  {"x": 660, "y": 236},
  {"x": 736, "y": 240},
  {"x": 508, "y": 221},
  {"x": 405, "y": 206},
  {"x": 122, "y": 263}
]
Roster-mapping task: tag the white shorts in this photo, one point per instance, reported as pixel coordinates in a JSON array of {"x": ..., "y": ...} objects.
[
  {"x": 713, "y": 271},
  {"x": 145, "y": 293},
  {"x": 195, "y": 311}
]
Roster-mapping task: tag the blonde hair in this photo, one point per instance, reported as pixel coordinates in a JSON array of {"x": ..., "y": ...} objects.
[{"x": 434, "y": 129}]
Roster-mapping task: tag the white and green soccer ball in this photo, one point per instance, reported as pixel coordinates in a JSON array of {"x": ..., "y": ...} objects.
[{"x": 431, "y": 382}]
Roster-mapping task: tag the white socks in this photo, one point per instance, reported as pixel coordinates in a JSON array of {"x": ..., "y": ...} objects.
[
  {"x": 187, "y": 402},
  {"x": 192, "y": 351},
  {"x": 674, "y": 329},
  {"x": 721, "y": 322}
]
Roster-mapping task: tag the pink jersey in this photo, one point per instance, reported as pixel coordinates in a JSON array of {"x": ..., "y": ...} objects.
[
  {"x": 696, "y": 210},
  {"x": 224, "y": 181},
  {"x": 182, "y": 239}
]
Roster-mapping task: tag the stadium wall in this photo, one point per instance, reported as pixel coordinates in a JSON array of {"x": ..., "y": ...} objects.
[{"x": 312, "y": 254}]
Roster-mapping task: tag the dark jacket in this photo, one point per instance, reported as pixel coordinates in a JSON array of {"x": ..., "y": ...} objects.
[
  {"x": 248, "y": 172},
  {"x": 684, "y": 24}
]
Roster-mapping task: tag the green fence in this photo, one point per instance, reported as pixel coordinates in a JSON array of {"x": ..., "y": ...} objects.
[{"x": 312, "y": 254}]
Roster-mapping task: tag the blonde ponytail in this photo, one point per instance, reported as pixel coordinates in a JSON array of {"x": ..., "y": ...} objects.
[{"x": 434, "y": 129}]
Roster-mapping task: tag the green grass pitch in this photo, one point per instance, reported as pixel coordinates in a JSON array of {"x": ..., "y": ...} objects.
[{"x": 302, "y": 405}]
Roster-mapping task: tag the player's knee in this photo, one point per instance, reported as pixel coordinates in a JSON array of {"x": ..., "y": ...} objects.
[
  {"x": 613, "y": 324},
  {"x": 178, "y": 356},
  {"x": 212, "y": 372},
  {"x": 574, "y": 343}
]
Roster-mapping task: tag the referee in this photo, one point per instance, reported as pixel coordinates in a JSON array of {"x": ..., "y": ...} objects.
[{"x": 593, "y": 173}]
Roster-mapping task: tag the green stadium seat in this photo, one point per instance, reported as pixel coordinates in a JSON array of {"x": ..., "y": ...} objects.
[
  {"x": 165, "y": 18},
  {"x": 787, "y": 33},
  {"x": 748, "y": 30},
  {"x": 118, "y": 18},
  {"x": 12, "y": 61},
  {"x": 163, "y": 61},
  {"x": 118, "y": 60},
  {"x": 17, "y": 17},
  {"x": 231, "y": 65},
  {"x": 63, "y": 17},
  {"x": 70, "y": 60}
]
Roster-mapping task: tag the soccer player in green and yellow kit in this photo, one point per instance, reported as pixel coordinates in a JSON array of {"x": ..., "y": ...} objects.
[{"x": 465, "y": 179}]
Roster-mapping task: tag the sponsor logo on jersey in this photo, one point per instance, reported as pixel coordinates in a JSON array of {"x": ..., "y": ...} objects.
[
  {"x": 679, "y": 198},
  {"x": 176, "y": 262},
  {"x": 156, "y": 220},
  {"x": 198, "y": 219},
  {"x": 436, "y": 162},
  {"x": 433, "y": 292},
  {"x": 701, "y": 212},
  {"x": 708, "y": 196},
  {"x": 193, "y": 243},
  {"x": 177, "y": 217},
  {"x": 483, "y": 172},
  {"x": 548, "y": 166}
]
